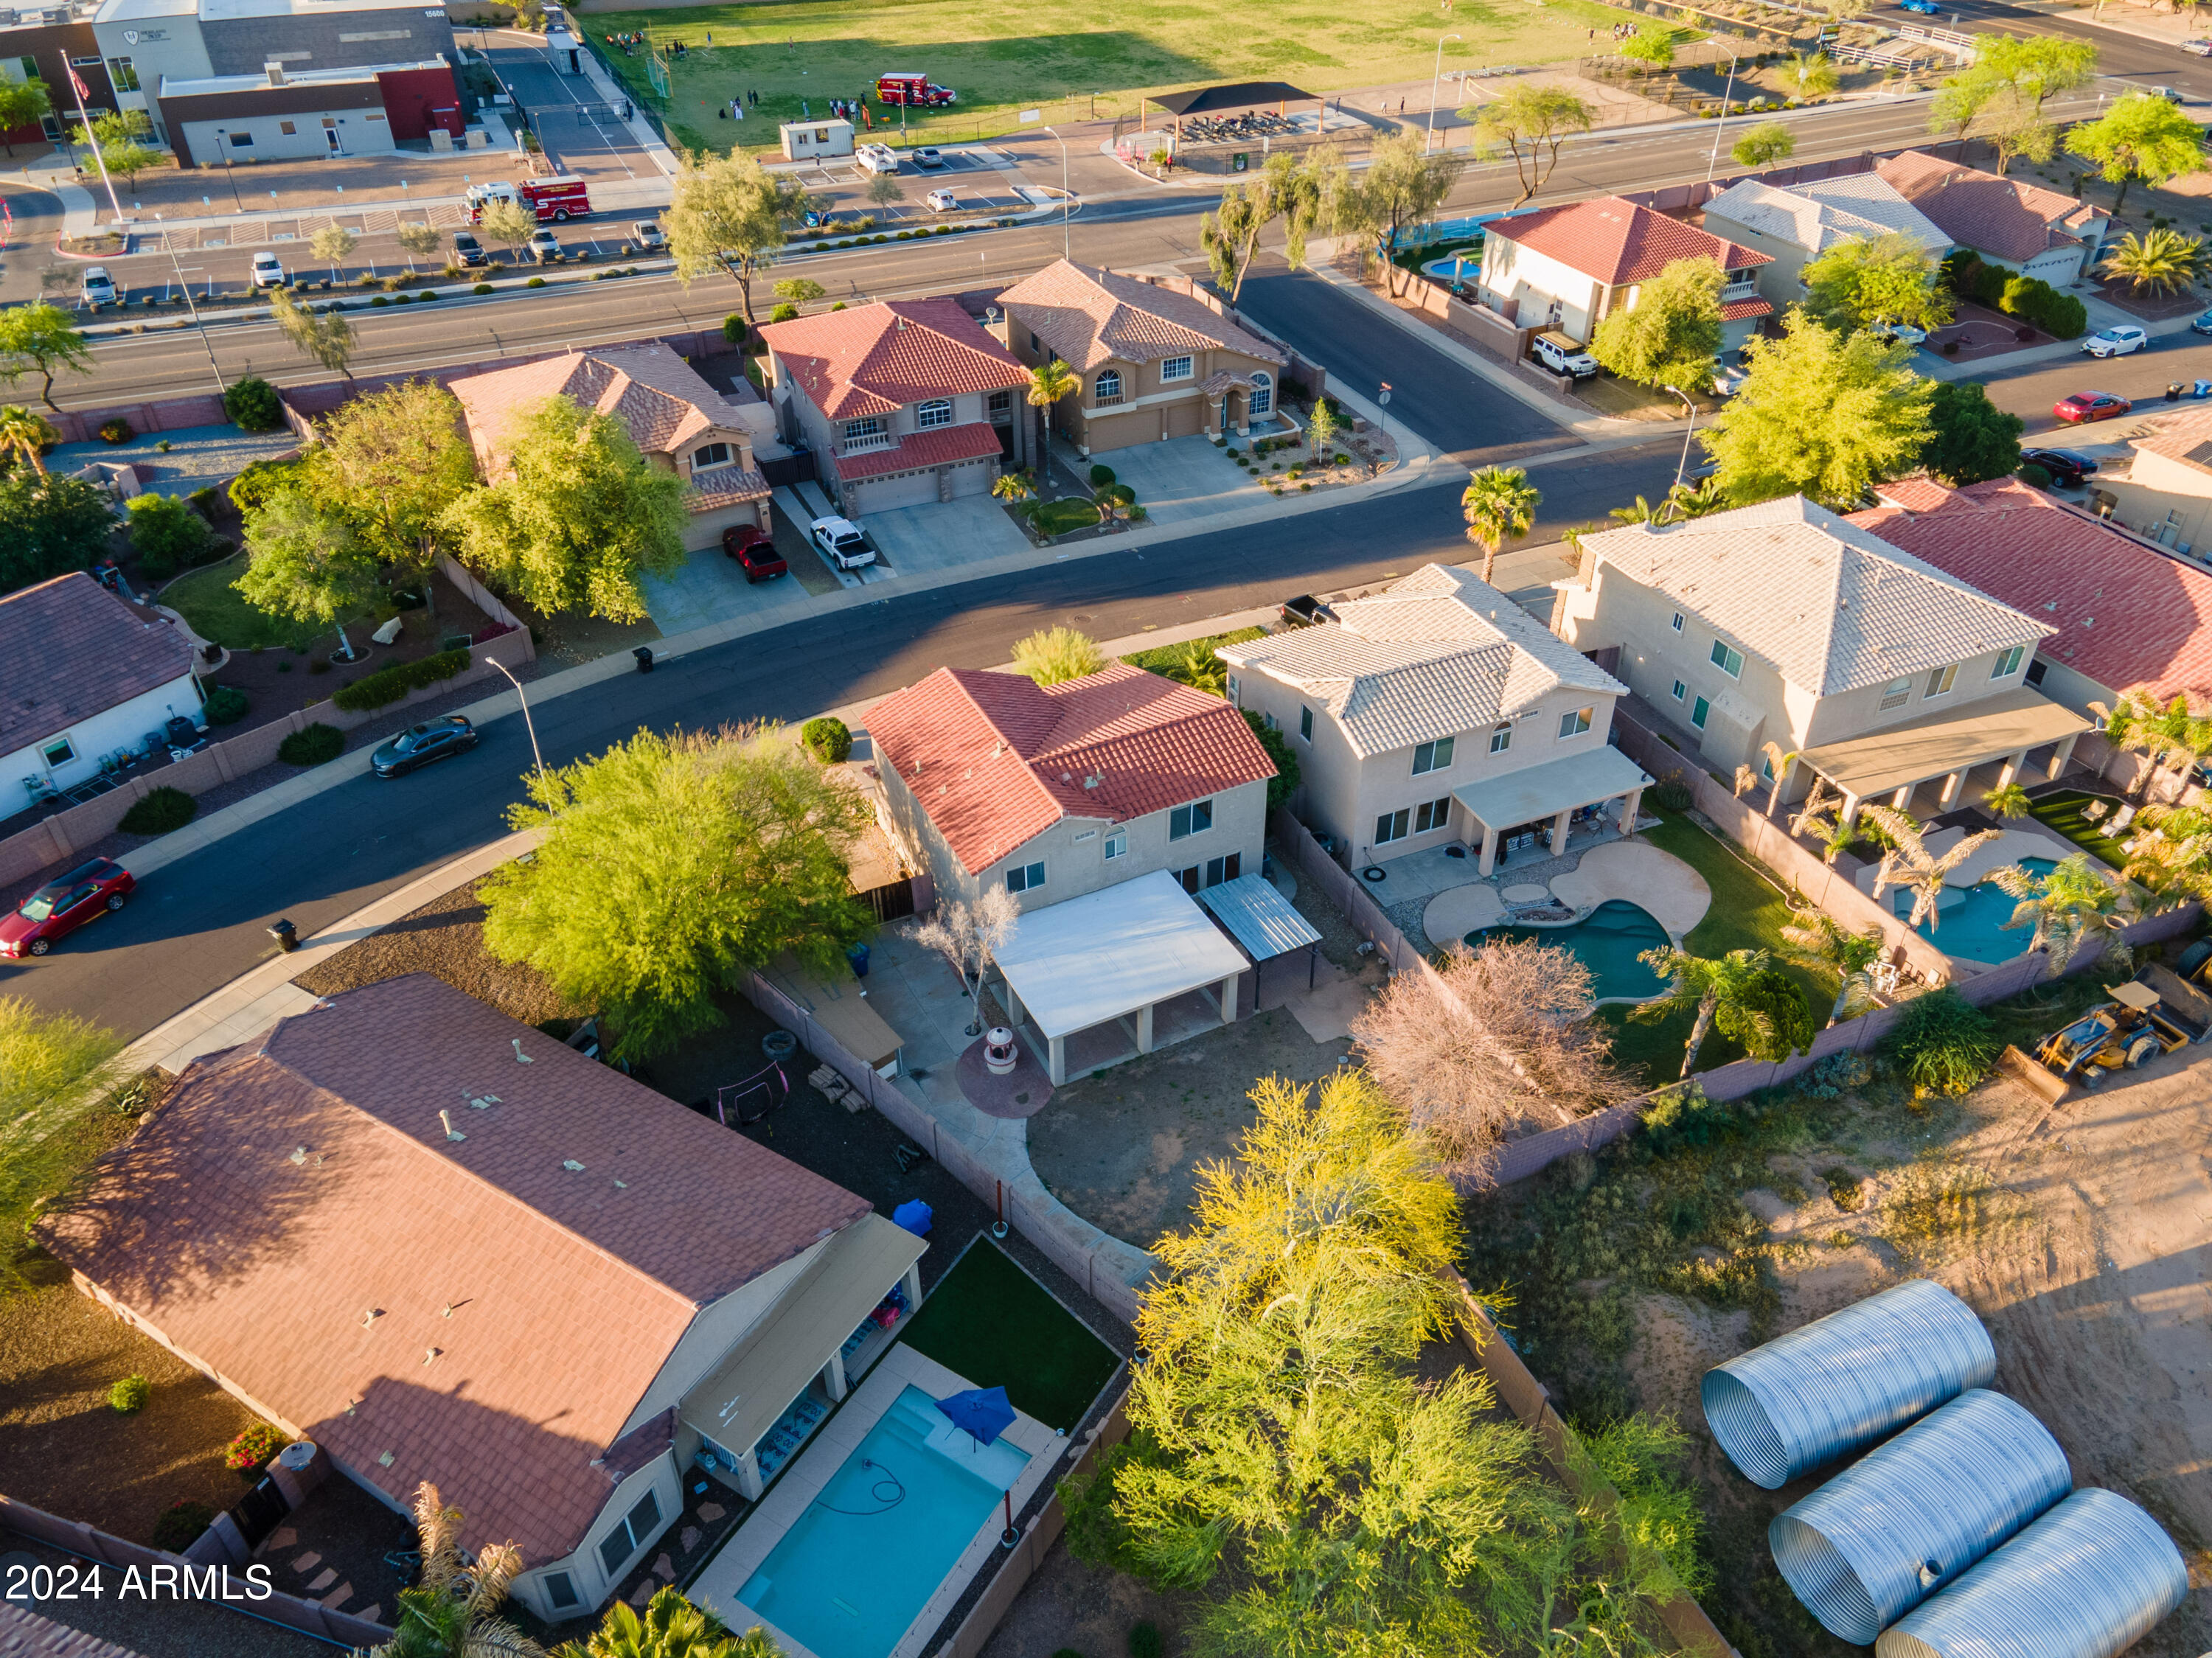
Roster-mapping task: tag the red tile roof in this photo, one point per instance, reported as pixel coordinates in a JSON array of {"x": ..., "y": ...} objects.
[
  {"x": 2130, "y": 618},
  {"x": 1617, "y": 242},
  {"x": 2007, "y": 217},
  {"x": 71, "y": 649},
  {"x": 934, "y": 447},
  {"x": 996, "y": 759},
  {"x": 884, "y": 356},
  {"x": 529, "y": 1280},
  {"x": 661, "y": 401},
  {"x": 1735, "y": 309}
]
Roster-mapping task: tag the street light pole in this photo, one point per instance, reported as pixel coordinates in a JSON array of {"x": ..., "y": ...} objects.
[
  {"x": 206, "y": 343},
  {"x": 528, "y": 723},
  {"x": 1064, "y": 234},
  {"x": 1433, "y": 79},
  {"x": 1727, "y": 92},
  {"x": 1683, "y": 465}
]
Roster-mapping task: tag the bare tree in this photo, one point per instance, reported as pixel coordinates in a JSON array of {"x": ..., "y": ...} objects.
[
  {"x": 1495, "y": 1037},
  {"x": 970, "y": 936}
]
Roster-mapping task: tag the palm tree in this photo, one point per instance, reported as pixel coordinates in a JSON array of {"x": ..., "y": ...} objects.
[
  {"x": 1049, "y": 382},
  {"x": 1909, "y": 864},
  {"x": 2075, "y": 902},
  {"x": 1737, "y": 991},
  {"x": 1008, "y": 486},
  {"x": 448, "y": 1613},
  {"x": 1643, "y": 513},
  {"x": 2168, "y": 736},
  {"x": 2173, "y": 856},
  {"x": 1778, "y": 763},
  {"x": 1688, "y": 500},
  {"x": 2155, "y": 261},
  {"x": 2008, "y": 800},
  {"x": 1819, "y": 819},
  {"x": 26, "y": 431},
  {"x": 1499, "y": 506},
  {"x": 672, "y": 1627},
  {"x": 1820, "y": 941}
]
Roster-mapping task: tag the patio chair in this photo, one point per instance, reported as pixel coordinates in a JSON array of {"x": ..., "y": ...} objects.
[{"x": 2121, "y": 819}]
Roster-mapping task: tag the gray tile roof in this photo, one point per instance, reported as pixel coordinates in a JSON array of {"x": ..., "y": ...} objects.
[
  {"x": 71, "y": 649},
  {"x": 1441, "y": 653},
  {"x": 1818, "y": 216},
  {"x": 1828, "y": 605}
]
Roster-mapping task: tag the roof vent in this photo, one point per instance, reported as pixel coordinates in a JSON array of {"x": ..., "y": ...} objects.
[
  {"x": 451, "y": 1132},
  {"x": 384, "y": 1461},
  {"x": 1091, "y": 782},
  {"x": 299, "y": 1157},
  {"x": 275, "y": 72},
  {"x": 370, "y": 1316},
  {"x": 521, "y": 1058},
  {"x": 429, "y": 1354}
]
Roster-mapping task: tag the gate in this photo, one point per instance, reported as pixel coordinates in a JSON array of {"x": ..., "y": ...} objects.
[{"x": 257, "y": 1513}]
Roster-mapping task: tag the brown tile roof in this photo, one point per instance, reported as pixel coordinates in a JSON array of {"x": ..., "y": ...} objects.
[
  {"x": 1088, "y": 316},
  {"x": 2129, "y": 618},
  {"x": 529, "y": 1281},
  {"x": 994, "y": 758},
  {"x": 2186, "y": 437},
  {"x": 1617, "y": 242},
  {"x": 24, "y": 1634},
  {"x": 726, "y": 486},
  {"x": 651, "y": 391},
  {"x": 935, "y": 448},
  {"x": 71, "y": 649},
  {"x": 2007, "y": 217},
  {"x": 884, "y": 356}
]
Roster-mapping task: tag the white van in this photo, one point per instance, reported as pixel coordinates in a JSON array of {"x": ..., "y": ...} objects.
[
  {"x": 876, "y": 158},
  {"x": 99, "y": 286}
]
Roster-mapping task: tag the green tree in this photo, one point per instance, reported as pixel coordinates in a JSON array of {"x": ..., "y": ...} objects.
[
  {"x": 333, "y": 244},
  {"x": 55, "y": 1070},
  {"x": 168, "y": 534},
  {"x": 1970, "y": 439},
  {"x": 1743, "y": 995},
  {"x": 672, "y": 1627},
  {"x": 2017, "y": 131},
  {"x": 391, "y": 463},
  {"x": 729, "y": 215},
  {"x": 1814, "y": 73},
  {"x": 671, "y": 866},
  {"x": 1670, "y": 336},
  {"x": 2171, "y": 738},
  {"x": 2141, "y": 136},
  {"x": 1876, "y": 279},
  {"x": 1287, "y": 190},
  {"x": 307, "y": 562},
  {"x": 325, "y": 335},
  {"x": 1764, "y": 145},
  {"x": 116, "y": 136},
  {"x": 2076, "y": 903},
  {"x": 884, "y": 189},
  {"x": 1907, "y": 862},
  {"x": 1400, "y": 187},
  {"x": 26, "y": 432},
  {"x": 41, "y": 339},
  {"x": 2035, "y": 68},
  {"x": 1652, "y": 47},
  {"x": 575, "y": 517},
  {"x": 23, "y": 103},
  {"x": 1818, "y": 940},
  {"x": 1285, "y": 783},
  {"x": 419, "y": 241},
  {"x": 2155, "y": 261},
  {"x": 450, "y": 1614},
  {"x": 1050, "y": 381},
  {"x": 1820, "y": 415},
  {"x": 1053, "y": 655},
  {"x": 800, "y": 291},
  {"x": 1499, "y": 505},
  {"x": 2009, "y": 800},
  {"x": 1321, "y": 430},
  {"x": 54, "y": 524},
  {"x": 509, "y": 224},
  {"x": 1528, "y": 121},
  {"x": 1958, "y": 103}
]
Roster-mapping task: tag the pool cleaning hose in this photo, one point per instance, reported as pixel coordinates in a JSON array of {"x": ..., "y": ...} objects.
[{"x": 884, "y": 1480}]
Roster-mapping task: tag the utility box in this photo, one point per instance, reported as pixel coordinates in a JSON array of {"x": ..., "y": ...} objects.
[{"x": 804, "y": 140}]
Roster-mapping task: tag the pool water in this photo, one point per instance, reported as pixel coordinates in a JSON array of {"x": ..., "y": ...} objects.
[
  {"x": 1455, "y": 268},
  {"x": 1608, "y": 941},
  {"x": 1973, "y": 929},
  {"x": 858, "y": 1566}
]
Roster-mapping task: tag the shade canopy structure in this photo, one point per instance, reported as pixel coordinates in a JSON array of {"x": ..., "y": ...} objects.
[
  {"x": 1555, "y": 790},
  {"x": 982, "y": 1413},
  {"x": 1259, "y": 917},
  {"x": 1240, "y": 94},
  {"x": 1952, "y": 741}
]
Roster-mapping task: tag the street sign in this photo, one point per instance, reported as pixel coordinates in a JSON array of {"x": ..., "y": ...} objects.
[
  {"x": 1239, "y": 162},
  {"x": 1384, "y": 396}
]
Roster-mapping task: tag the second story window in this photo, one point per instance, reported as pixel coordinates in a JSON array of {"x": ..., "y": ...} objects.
[
  {"x": 936, "y": 412},
  {"x": 1730, "y": 662},
  {"x": 710, "y": 454},
  {"x": 1432, "y": 756},
  {"x": 2007, "y": 662},
  {"x": 1024, "y": 877},
  {"x": 1940, "y": 681},
  {"x": 1575, "y": 724},
  {"x": 1676, "y": 625},
  {"x": 1897, "y": 693},
  {"x": 1194, "y": 819},
  {"x": 1108, "y": 386},
  {"x": 1305, "y": 722},
  {"x": 868, "y": 425},
  {"x": 1176, "y": 369},
  {"x": 1501, "y": 737}
]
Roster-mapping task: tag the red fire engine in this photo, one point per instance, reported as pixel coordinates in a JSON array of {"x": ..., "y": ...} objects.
[
  {"x": 917, "y": 90},
  {"x": 555, "y": 201}
]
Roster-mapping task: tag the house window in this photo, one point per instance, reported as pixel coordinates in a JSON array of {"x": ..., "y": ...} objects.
[
  {"x": 1117, "y": 844},
  {"x": 1676, "y": 625},
  {"x": 1432, "y": 756},
  {"x": 871, "y": 426},
  {"x": 1262, "y": 399},
  {"x": 1940, "y": 681},
  {"x": 1175, "y": 368},
  {"x": 1730, "y": 662},
  {"x": 1431, "y": 814},
  {"x": 1575, "y": 724},
  {"x": 122, "y": 75},
  {"x": 1234, "y": 688},
  {"x": 1194, "y": 819},
  {"x": 1108, "y": 386},
  {"x": 1392, "y": 825},
  {"x": 634, "y": 1531},
  {"x": 1680, "y": 690},
  {"x": 938, "y": 411},
  {"x": 710, "y": 454},
  {"x": 1024, "y": 877},
  {"x": 2008, "y": 662},
  {"x": 1002, "y": 402},
  {"x": 1211, "y": 873},
  {"x": 1698, "y": 710},
  {"x": 2036, "y": 670},
  {"x": 242, "y": 141},
  {"x": 1897, "y": 693},
  {"x": 1305, "y": 722},
  {"x": 1766, "y": 769},
  {"x": 289, "y": 130},
  {"x": 561, "y": 1589},
  {"x": 59, "y": 752},
  {"x": 1501, "y": 737}
]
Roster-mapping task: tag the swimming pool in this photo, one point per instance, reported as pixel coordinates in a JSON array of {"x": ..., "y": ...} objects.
[
  {"x": 1973, "y": 929},
  {"x": 1608, "y": 941},
  {"x": 854, "y": 1570},
  {"x": 1455, "y": 267}
]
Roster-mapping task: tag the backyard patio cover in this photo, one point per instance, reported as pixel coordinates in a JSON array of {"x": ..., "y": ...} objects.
[
  {"x": 1079, "y": 964},
  {"x": 1245, "y": 95},
  {"x": 1937, "y": 745},
  {"x": 1259, "y": 917},
  {"x": 1545, "y": 791}
]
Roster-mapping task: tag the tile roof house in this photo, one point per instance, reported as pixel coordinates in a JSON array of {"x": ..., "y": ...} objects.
[
  {"x": 1156, "y": 361},
  {"x": 82, "y": 674},
  {"x": 446, "y": 1247},
  {"x": 903, "y": 402},
  {"x": 682, "y": 424},
  {"x": 1437, "y": 711},
  {"x": 1056, "y": 791},
  {"x": 1796, "y": 225},
  {"x": 1569, "y": 267},
  {"x": 2126, "y": 617},
  {"x": 1784, "y": 623},
  {"x": 2036, "y": 231},
  {"x": 2162, "y": 488}
]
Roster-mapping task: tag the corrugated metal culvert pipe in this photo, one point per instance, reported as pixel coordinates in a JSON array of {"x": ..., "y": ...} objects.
[
  {"x": 2087, "y": 1580},
  {"x": 1913, "y": 1515},
  {"x": 1843, "y": 1382}
]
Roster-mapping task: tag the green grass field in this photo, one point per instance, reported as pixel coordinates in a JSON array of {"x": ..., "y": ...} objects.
[
  {"x": 219, "y": 611},
  {"x": 992, "y": 1322},
  {"x": 1002, "y": 56}
]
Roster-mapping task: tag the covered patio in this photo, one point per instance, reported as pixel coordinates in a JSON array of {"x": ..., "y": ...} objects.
[
  {"x": 1104, "y": 971},
  {"x": 1265, "y": 926},
  {"x": 1553, "y": 792},
  {"x": 1891, "y": 764}
]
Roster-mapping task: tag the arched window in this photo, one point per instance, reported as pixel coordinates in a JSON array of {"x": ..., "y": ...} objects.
[
  {"x": 937, "y": 412},
  {"x": 1109, "y": 386},
  {"x": 710, "y": 454},
  {"x": 1263, "y": 400}
]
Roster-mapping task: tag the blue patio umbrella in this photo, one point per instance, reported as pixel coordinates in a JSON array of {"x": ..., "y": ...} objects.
[{"x": 983, "y": 1413}]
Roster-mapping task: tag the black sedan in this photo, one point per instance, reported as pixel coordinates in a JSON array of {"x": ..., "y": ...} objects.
[
  {"x": 421, "y": 745},
  {"x": 2067, "y": 467}
]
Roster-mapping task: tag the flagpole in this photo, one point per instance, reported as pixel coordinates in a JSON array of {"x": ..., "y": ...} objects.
[{"x": 76, "y": 85}]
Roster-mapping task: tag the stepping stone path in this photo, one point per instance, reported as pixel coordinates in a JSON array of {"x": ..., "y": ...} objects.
[
  {"x": 307, "y": 1562},
  {"x": 664, "y": 1569},
  {"x": 282, "y": 1538},
  {"x": 710, "y": 1512},
  {"x": 643, "y": 1593},
  {"x": 687, "y": 1540},
  {"x": 338, "y": 1596},
  {"x": 323, "y": 1580}
]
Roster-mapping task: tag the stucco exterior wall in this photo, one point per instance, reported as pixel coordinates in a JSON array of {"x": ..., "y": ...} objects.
[
  {"x": 1781, "y": 282},
  {"x": 593, "y": 1581},
  {"x": 798, "y": 416},
  {"x": 361, "y": 132},
  {"x": 2167, "y": 500},
  {"x": 125, "y": 725},
  {"x": 1151, "y": 409},
  {"x": 1520, "y": 284}
]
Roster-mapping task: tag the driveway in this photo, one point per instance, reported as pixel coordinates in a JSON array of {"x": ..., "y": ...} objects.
[
  {"x": 1183, "y": 480},
  {"x": 710, "y": 588},
  {"x": 944, "y": 534}
]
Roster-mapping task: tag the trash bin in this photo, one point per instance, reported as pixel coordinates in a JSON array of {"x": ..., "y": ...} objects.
[
  {"x": 644, "y": 655},
  {"x": 287, "y": 936},
  {"x": 858, "y": 956},
  {"x": 2173, "y": 390}
]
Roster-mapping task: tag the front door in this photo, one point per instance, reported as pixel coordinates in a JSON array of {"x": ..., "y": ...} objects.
[{"x": 330, "y": 133}]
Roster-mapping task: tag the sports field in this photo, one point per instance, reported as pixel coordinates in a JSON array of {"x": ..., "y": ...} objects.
[{"x": 1006, "y": 56}]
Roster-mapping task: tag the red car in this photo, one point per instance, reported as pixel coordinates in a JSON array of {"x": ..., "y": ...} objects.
[
  {"x": 755, "y": 551},
  {"x": 2084, "y": 406},
  {"x": 60, "y": 907}
]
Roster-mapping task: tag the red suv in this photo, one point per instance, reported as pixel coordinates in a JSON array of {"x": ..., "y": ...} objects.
[
  {"x": 755, "y": 551},
  {"x": 60, "y": 907}
]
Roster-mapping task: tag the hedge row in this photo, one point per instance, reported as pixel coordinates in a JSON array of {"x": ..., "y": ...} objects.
[
  {"x": 390, "y": 684},
  {"x": 2031, "y": 298}
]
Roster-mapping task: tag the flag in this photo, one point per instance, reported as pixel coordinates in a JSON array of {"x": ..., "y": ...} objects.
[{"x": 76, "y": 81}]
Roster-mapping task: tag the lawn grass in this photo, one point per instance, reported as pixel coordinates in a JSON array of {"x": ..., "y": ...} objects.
[
  {"x": 1003, "y": 56},
  {"x": 1057, "y": 517},
  {"x": 992, "y": 1322},
  {"x": 218, "y": 611},
  {"x": 2062, "y": 814},
  {"x": 1169, "y": 659}
]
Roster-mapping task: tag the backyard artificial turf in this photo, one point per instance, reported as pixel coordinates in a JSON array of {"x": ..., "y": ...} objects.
[
  {"x": 2062, "y": 814},
  {"x": 993, "y": 1323}
]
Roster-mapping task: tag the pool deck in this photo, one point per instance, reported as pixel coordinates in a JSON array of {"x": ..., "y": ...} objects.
[
  {"x": 718, "y": 1582},
  {"x": 2023, "y": 837},
  {"x": 1668, "y": 890}
]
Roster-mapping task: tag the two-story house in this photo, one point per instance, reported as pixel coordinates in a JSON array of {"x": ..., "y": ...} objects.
[
  {"x": 1784, "y": 623},
  {"x": 1154, "y": 363},
  {"x": 1570, "y": 267},
  {"x": 1439, "y": 711},
  {"x": 682, "y": 424},
  {"x": 2037, "y": 232},
  {"x": 903, "y": 402},
  {"x": 1794, "y": 225}
]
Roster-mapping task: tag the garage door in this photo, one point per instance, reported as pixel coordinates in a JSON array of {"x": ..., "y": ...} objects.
[
  {"x": 972, "y": 479},
  {"x": 1186, "y": 419},
  {"x": 882, "y": 494}
]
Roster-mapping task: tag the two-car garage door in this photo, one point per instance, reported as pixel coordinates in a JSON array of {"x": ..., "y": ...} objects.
[{"x": 882, "y": 494}]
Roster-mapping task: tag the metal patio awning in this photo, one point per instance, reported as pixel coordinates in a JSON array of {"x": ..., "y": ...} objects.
[{"x": 1259, "y": 919}]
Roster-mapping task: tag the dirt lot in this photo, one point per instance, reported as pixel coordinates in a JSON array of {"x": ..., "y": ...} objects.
[{"x": 444, "y": 938}]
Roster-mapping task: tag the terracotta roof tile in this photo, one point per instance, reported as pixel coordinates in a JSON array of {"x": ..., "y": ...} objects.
[
  {"x": 935, "y": 448},
  {"x": 1090, "y": 316},
  {"x": 71, "y": 649},
  {"x": 726, "y": 486},
  {"x": 658, "y": 396},
  {"x": 1617, "y": 242},
  {"x": 884, "y": 356},
  {"x": 2007, "y": 217},
  {"x": 1735, "y": 309}
]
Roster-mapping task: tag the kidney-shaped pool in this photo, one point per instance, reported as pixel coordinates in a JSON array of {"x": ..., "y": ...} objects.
[{"x": 1608, "y": 940}]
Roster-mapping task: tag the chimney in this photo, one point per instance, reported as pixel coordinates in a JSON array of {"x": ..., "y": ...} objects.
[{"x": 275, "y": 71}]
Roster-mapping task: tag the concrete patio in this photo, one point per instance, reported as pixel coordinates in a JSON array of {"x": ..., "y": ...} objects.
[{"x": 1661, "y": 885}]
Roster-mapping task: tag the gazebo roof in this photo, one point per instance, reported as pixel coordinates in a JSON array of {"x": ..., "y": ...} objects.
[
  {"x": 1241, "y": 94},
  {"x": 1090, "y": 959}
]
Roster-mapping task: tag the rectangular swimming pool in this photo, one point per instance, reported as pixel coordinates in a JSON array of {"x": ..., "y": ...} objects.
[{"x": 855, "y": 1569}]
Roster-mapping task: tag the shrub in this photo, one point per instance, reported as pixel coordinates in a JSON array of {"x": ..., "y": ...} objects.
[
  {"x": 535, "y": 281},
  {"x": 827, "y": 739},
  {"x": 1944, "y": 1043},
  {"x": 2034, "y": 477},
  {"x": 1145, "y": 1641},
  {"x": 785, "y": 312},
  {"x": 258, "y": 481},
  {"x": 161, "y": 810},
  {"x": 254, "y": 1447},
  {"x": 317, "y": 745},
  {"x": 167, "y": 535},
  {"x": 1834, "y": 1076},
  {"x": 1674, "y": 794},
  {"x": 226, "y": 705},
  {"x": 484, "y": 287},
  {"x": 733, "y": 329},
  {"x": 389, "y": 685},
  {"x": 129, "y": 1396},
  {"x": 1101, "y": 477},
  {"x": 180, "y": 1526},
  {"x": 253, "y": 405},
  {"x": 118, "y": 430}
]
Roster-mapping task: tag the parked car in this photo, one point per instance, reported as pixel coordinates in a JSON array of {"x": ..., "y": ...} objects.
[
  {"x": 942, "y": 201},
  {"x": 2202, "y": 322},
  {"x": 1561, "y": 354},
  {"x": 1729, "y": 379},
  {"x": 422, "y": 745},
  {"x": 2168, "y": 94},
  {"x": 2117, "y": 341},
  {"x": 2085, "y": 406},
  {"x": 467, "y": 249},
  {"x": 60, "y": 907},
  {"x": 929, "y": 156},
  {"x": 268, "y": 271},
  {"x": 1922, "y": 8},
  {"x": 2197, "y": 48},
  {"x": 544, "y": 247},
  {"x": 841, "y": 542},
  {"x": 98, "y": 286},
  {"x": 2068, "y": 467},
  {"x": 755, "y": 550},
  {"x": 876, "y": 158},
  {"x": 1885, "y": 329},
  {"x": 648, "y": 232}
]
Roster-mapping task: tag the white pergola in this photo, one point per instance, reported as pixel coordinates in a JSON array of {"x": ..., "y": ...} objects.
[
  {"x": 1555, "y": 790},
  {"x": 1109, "y": 954}
]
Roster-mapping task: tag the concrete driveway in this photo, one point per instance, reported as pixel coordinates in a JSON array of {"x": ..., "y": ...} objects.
[
  {"x": 1183, "y": 480},
  {"x": 944, "y": 534},
  {"x": 711, "y": 588}
]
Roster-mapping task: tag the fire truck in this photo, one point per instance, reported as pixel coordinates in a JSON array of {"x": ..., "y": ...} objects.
[
  {"x": 917, "y": 90},
  {"x": 555, "y": 201}
]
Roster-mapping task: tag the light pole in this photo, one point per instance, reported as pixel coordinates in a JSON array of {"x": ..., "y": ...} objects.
[
  {"x": 1727, "y": 92},
  {"x": 1028, "y": 116},
  {"x": 1433, "y": 79},
  {"x": 1683, "y": 465},
  {"x": 530, "y": 724},
  {"x": 206, "y": 342}
]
